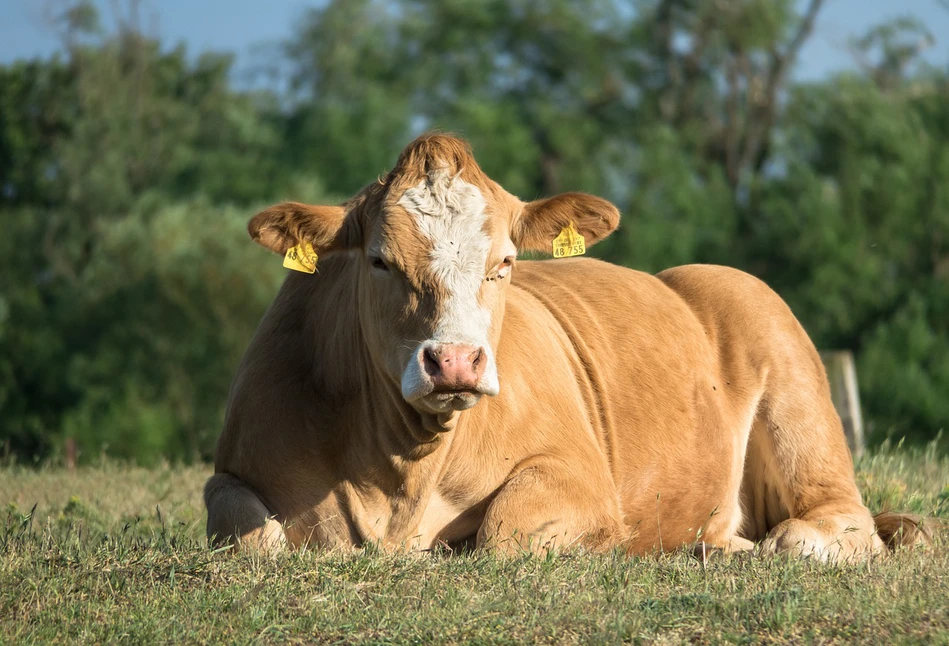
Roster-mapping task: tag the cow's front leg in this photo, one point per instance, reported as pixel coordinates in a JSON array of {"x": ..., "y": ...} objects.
[
  {"x": 546, "y": 506},
  {"x": 237, "y": 516}
]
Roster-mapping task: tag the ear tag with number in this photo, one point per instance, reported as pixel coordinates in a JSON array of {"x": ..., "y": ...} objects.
[
  {"x": 301, "y": 258},
  {"x": 569, "y": 243}
]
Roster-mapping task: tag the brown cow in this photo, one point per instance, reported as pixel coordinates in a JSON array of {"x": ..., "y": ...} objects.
[{"x": 622, "y": 408}]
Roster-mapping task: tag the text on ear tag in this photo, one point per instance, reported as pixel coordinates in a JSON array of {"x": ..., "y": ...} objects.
[
  {"x": 301, "y": 258},
  {"x": 569, "y": 243}
]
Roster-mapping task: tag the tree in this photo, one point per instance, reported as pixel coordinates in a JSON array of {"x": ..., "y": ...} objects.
[
  {"x": 128, "y": 289},
  {"x": 96, "y": 149}
]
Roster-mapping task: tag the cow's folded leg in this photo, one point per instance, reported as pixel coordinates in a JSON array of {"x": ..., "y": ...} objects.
[
  {"x": 237, "y": 516},
  {"x": 540, "y": 510},
  {"x": 832, "y": 537},
  {"x": 807, "y": 460}
]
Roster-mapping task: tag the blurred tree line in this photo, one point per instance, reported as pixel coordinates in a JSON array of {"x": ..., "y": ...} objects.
[{"x": 128, "y": 169}]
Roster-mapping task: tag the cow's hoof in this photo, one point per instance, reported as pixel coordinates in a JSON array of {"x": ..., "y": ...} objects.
[{"x": 795, "y": 538}]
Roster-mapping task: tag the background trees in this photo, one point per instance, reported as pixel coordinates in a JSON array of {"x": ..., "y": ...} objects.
[{"x": 128, "y": 288}]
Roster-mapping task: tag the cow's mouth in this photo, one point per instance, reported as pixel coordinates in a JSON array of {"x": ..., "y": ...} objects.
[
  {"x": 451, "y": 400},
  {"x": 452, "y": 392},
  {"x": 442, "y": 401}
]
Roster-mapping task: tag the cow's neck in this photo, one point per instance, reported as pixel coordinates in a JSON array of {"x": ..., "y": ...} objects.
[
  {"x": 402, "y": 434},
  {"x": 396, "y": 455},
  {"x": 400, "y": 456}
]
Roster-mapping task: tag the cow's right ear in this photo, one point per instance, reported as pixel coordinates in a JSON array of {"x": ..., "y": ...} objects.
[{"x": 285, "y": 225}]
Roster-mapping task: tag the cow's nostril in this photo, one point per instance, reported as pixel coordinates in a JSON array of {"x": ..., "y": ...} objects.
[
  {"x": 432, "y": 365},
  {"x": 476, "y": 357}
]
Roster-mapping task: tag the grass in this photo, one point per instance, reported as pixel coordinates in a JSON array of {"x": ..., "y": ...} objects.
[{"x": 116, "y": 553}]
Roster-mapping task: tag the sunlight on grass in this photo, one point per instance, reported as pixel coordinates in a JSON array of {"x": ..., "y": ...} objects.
[{"x": 117, "y": 552}]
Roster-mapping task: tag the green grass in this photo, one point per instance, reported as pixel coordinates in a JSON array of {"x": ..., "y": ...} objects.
[{"x": 116, "y": 553}]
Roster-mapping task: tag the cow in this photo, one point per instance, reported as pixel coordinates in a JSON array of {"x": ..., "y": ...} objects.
[{"x": 424, "y": 387}]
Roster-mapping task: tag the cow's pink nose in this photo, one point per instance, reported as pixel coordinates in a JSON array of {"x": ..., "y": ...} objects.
[{"x": 454, "y": 366}]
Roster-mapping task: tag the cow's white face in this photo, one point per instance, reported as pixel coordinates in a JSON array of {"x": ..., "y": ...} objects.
[
  {"x": 438, "y": 266},
  {"x": 436, "y": 242}
]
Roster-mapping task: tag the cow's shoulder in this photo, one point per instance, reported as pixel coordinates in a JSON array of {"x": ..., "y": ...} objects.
[
  {"x": 295, "y": 372},
  {"x": 608, "y": 312},
  {"x": 595, "y": 295},
  {"x": 307, "y": 334}
]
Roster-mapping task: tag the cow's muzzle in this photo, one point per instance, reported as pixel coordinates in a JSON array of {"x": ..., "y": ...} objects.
[
  {"x": 449, "y": 376},
  {"x": 453, "y": 367}
]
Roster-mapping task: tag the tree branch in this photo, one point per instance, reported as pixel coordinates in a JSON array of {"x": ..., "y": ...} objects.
[
  {"x": 732, "y": 132},
  {"x": 765, "y": 112},
  {"x": 693, "y": 64}
]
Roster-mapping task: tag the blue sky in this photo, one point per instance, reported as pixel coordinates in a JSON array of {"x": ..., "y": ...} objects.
[{"x": 251, "y": 27}]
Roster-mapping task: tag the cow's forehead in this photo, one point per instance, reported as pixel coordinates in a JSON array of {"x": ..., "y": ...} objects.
[
  {"x": 450, "y": 215},
  {"x": 442, "y": 196},
  {"x": 442, "y": 218},
  {"x": 450, "y": 235}
]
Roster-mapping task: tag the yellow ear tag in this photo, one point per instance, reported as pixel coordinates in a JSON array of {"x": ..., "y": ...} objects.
[
  {"x": 569, "y": 243},
  {"x": 301, "y": 258}
]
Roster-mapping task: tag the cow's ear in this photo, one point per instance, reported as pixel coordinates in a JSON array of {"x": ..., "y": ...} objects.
[
  {"x": 543, "y": 220},
  {"x": 285, "y": 225}
]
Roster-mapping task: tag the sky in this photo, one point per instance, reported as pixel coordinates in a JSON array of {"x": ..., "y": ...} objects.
[{"x": 252, "y": 28}]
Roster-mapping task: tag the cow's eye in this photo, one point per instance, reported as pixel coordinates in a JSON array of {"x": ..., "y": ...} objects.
[
  {"x": 503, "y": 269},
  {"x": 378, "y": 263}
]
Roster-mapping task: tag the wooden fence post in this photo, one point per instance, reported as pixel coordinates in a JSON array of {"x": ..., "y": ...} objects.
[
  {"x": 71, "y": 453},
  {"x": 842, "y": 374}
]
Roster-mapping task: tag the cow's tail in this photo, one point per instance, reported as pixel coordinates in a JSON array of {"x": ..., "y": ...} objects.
[{"x": 904, "y": 530}]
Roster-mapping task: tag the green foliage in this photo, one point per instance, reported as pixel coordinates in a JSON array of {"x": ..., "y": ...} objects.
[
  {"x": 678, "y": 209},
  {"x": 854, "y": 235},
  {"x": 905, "y": 367},
  {"x": 350, "y": 118},
  {"x": 188, "y": 266},
  {"x": 134, "y": 356},
  {"x": 128, "y": 288}
]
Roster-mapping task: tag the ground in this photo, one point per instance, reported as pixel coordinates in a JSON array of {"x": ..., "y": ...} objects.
[{"x": 116, "y": 553}]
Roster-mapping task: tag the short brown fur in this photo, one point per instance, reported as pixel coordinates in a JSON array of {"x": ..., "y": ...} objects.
[{"x": 641, "y": 411}]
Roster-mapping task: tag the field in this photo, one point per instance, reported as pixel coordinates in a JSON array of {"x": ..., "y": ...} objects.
[{"x": 116, "y": 553}]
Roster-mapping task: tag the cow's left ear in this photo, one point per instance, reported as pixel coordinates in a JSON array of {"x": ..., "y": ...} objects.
[
  {"x": 285, "y": 225},
  {"x": 543, "y": 220}
]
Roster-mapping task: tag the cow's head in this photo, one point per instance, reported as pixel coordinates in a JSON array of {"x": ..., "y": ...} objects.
[{"x": 435, "y": 241}]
